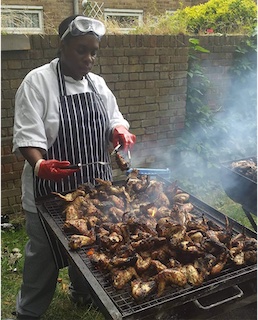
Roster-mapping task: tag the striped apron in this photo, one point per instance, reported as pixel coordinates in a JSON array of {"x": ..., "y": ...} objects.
[{"x": 82, "y": 138}]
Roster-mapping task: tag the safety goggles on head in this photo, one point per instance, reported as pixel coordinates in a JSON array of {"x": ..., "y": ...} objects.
[{"x": 83, "y": 25}]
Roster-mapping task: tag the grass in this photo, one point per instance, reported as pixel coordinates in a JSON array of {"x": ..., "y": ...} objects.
[{"x": 61, "y": 307}]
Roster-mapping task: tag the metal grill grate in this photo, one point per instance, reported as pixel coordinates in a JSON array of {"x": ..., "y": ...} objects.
[{"x": 173, "y": 296}]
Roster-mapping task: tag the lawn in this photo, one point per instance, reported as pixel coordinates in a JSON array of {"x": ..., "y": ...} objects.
[{"x": 61, "y": 307}]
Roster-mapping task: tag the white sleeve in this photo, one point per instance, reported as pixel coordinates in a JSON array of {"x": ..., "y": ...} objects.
[
  {"x": 115, "y": 116},
  {"x": 29, "y": 130}
]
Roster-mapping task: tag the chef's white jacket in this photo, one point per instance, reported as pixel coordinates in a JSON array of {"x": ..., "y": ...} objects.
[{"x": 36, "y": 119}]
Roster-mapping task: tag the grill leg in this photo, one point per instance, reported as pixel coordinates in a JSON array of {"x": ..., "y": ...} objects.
[{"x": 249, "y": 216}]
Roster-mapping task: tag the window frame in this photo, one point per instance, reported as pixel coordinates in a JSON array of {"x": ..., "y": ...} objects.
[
  {"x": 24, "y": 9},
  {"x": 124, "y": 12}
]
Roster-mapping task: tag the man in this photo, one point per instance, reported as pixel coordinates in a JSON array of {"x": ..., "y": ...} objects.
[{"x": 64, "y": 114}]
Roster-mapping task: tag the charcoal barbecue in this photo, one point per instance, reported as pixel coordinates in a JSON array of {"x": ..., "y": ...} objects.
[
  {"x": 225, "y": 290},
  {"x": 240, "y": 187}
]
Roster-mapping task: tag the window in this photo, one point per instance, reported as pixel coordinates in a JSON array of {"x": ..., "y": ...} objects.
[
  {"x": 170, "y": 12},
  {"x": 127, "y": 19},
  {"x": 22, "y": 19}
]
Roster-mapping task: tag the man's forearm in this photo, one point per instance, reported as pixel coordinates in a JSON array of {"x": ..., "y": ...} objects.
[{"x": 31, "y": 154}]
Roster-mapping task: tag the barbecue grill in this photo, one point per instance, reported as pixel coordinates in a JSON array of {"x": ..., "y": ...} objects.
[
  {"x": 240, "y": 188},
  {"x": 226, "y": 290}
]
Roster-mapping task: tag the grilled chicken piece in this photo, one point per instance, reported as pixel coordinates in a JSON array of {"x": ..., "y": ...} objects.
[
  {"x": 191, "y": 248},
  {"x": 73, "y": 210},
  {"x": 192, "y": 275},
  {"x": 76, "y": 226},
  {"x": 122, "y": 164},
  {"x": 173, "y": 263},
  {"x": 220, "y": 263},
  {"x": 171, "y": 190},
  {"x": 142, "y": 184},
  {"x": 117, "y": 261},
  {"x": 80, "y": 226},
  {"x": 179, "y": 215},
  {"x": 72, "y": 213},
  {"x": 163, "y": 212},
  {"x": 121, "y": 277},
  {"x": 158, "y": 265},
  {"x": 69, "y": 197},
  {"x": 239, "y": 259},
  {"x": 154, "y": 189},
  {"x": 204, "y": 264},
  {"x": 195, "y": 236},
  {"x": 250, "y": 256},
  {"x": 167, "y": 228},
  {"x": 115, "y": 214},
  {"x": 125, "y": 251},
  {"x": 78, "y": 241},
  {"x": 170, "y": 276},
  {"x": 141, "y": 264},
  {"x": 148, "y": 243},
  {"x": 186, "y": 207},
  {"x": 118, "y": 202},
  {"x": 162, "y": 200},
  {"x": 99, "y": 259},
  {"x": 80, "y": 207},
  {"x": 111, "y": 241},
  {"x": 163, "y": 253},
  {"x": 142, "y": 289},
  {"x": 149, "y": 209},
  {"x": 181, "y": 197}
]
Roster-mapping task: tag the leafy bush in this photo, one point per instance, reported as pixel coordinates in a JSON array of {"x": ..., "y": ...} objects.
[
  {"x": 218, "y": 16},
  {"x": 221, "y": 16}
]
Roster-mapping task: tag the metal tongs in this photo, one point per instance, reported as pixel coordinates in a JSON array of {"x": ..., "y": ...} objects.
[
  {"x": 116, "y": 149},
  {"x": 79, "y": 165},
  {"x": 128, "y": 153}
]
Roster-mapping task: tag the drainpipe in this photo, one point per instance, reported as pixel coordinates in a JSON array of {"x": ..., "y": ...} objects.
[{"x": 75, "y": 7}]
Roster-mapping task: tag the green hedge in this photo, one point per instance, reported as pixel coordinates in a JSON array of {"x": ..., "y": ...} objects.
[
  {"x": 220, "y": 16},
  {"x": 214, "y": 16}
]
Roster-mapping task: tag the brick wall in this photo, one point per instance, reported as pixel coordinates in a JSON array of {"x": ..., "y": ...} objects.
[{"x": 148, "y": 75}]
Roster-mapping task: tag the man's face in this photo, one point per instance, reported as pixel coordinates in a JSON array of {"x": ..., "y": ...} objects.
[{"x": 78, "y": 55}]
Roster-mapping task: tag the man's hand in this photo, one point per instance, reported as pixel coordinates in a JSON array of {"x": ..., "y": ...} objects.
[
  {"x": 122, "y": 136},
  {"x": 53, "y": 169}
]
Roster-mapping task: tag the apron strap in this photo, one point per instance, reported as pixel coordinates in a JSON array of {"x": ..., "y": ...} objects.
[
  {"x": 61, "y": 80},
  {"x": 92, "y": 85}
]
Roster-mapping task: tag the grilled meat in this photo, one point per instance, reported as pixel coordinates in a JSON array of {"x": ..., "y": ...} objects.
[
  {"x": 170, "y": 276},
  {"x": 147, "y": 235},
  {"x": 99, "y": 259},
  {"x": 122, "y": 164},
  {"x": 78, "y": 241},
  {"x": 76, "y": 226},
  {"x": 142, "y": 289},
  {"x": 121, "y": 277},
  {"x": 69, "y": 197}
]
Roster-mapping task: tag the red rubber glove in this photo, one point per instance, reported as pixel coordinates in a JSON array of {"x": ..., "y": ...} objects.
[
  {"x": 122, "y": 136},
  {"x": 50, "y": 169}
]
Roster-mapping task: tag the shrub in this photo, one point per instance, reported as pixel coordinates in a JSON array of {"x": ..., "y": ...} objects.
[
  {"x": 221, "y": 16},
  {"x": 218, "y": 16}
]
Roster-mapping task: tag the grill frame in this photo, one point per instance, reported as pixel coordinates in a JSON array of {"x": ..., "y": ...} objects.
[
  {"x": 120, "y": 305},
  {"x": 238, "y": 187}
]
